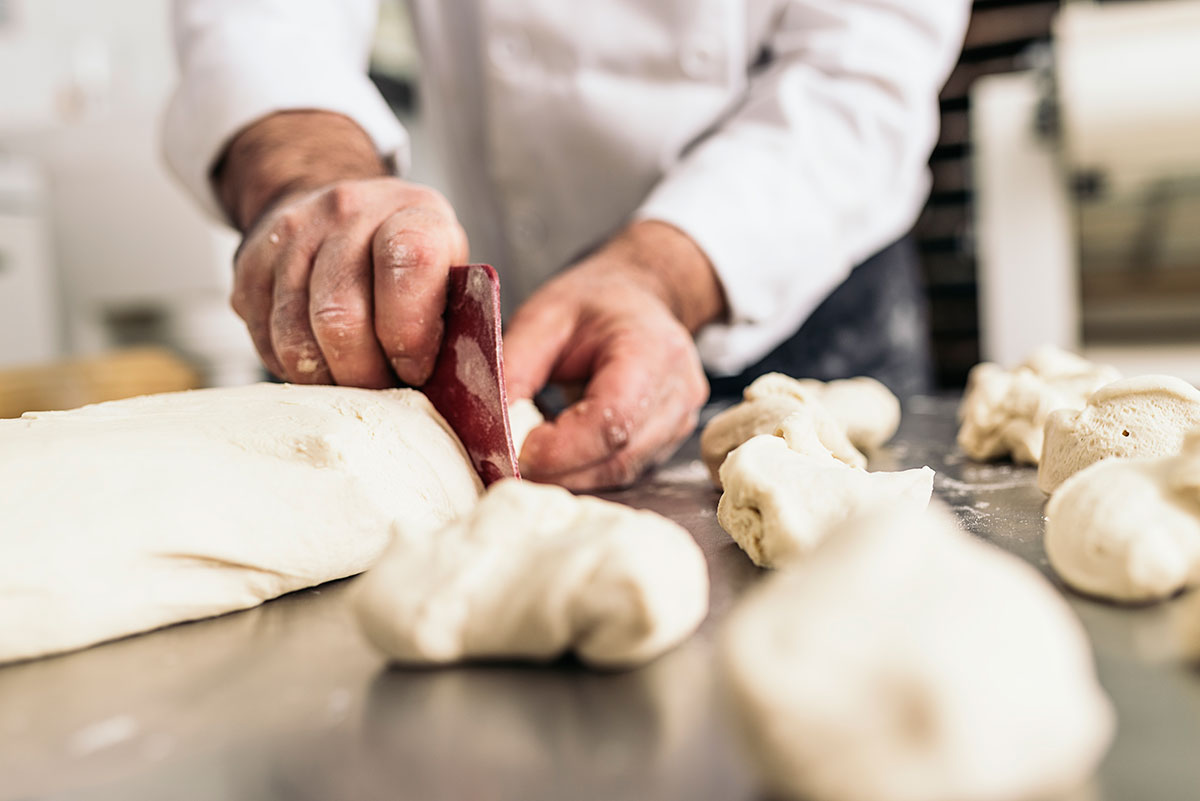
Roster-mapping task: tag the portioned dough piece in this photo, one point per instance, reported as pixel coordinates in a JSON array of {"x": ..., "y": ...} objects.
[
  {"x": 867, "y": 410},
  {"x": 1144, "y": 416},
  {"x": 1129, "y": 529},
  {"x": 907, "y": 661},
  {"x": 126, "y": 516},
  {"x": 1003, "y": 411},
  {"x": 784, "y": 494},
  {"x": 751, "y": 418},
  {"x": 533, "y": 572},
  {"x": 849, "y": 415}
]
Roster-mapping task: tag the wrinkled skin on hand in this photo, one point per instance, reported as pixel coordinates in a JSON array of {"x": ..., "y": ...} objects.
[
  {"x": 341, "y": 278},
  {"x": 607, "y": 324},
  {"x": 346, "y": 284}
]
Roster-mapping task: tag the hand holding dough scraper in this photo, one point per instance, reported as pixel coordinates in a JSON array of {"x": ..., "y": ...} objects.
[{"x": 467, "y": 384}]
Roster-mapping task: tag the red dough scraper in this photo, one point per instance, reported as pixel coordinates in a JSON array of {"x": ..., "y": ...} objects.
[{"x": 467, "y": 385}]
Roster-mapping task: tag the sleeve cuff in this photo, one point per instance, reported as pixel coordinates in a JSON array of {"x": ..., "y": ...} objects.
[
  {"x": 218, "y": 99},
  {"x": 773, "y": 274}
]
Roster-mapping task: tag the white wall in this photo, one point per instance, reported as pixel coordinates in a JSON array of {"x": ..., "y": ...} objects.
[{"x": 94, "y": 78}]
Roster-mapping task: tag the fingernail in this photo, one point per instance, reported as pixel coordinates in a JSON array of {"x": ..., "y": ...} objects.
[{"x": 412, "y": 371}]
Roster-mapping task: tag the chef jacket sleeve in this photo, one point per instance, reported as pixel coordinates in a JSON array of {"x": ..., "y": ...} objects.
[
  {"x": 241, "y": 60},
  {"x": 822, "y": 164}
]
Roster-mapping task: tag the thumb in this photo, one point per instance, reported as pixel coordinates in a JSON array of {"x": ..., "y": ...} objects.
[{"x": 533, "y": 343}]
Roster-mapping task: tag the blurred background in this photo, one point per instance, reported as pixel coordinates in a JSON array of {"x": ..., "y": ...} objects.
[{"x": 1065, "y": 204}]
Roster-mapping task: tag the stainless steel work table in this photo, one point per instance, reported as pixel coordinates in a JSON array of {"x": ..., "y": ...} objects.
[{"x": 288, "y": 702}]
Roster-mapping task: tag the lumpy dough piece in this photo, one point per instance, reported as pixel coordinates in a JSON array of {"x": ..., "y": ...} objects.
[
  {"x": 1144, "y": 416},
  {"x": 868, "y": 410},
  {"x": 784, "y": 494},
  {"x": 907, "y": 661},
  {"x": 748, "y": 419},
  {"x": 1129, "y": 529},
  {"x": 126, "y": 516},
  {"x": 1003, "y": 411},
  {"x": 849, "y": 415},
  {"x": 533, "y": 572}
]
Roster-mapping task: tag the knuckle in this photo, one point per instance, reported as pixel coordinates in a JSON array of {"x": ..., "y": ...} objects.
[
  {"x": 288, "y": 308},
  {"x": 412, "y": 250},
  {"x": 339, "y": 319},
  {"x": 287, "y": 224},
  {"x": 343, "y": 200},
  {"x": 433, "y": 199}
]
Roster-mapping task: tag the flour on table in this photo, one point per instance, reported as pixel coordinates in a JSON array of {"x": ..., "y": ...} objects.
[
  {"x": 130, "y": 515},
  {"x": 849, "y": 416},
  {"x": 785, "y": 493},
  {"x": 1144, "y": 416},
  {"x": 532, "y": 573},
  {"x": 907, "y": 661},
  {"x": 1129, "y": 529},
  {"x": 1003, "y": 411}
]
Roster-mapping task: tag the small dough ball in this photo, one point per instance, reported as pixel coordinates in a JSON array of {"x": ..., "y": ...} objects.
[
  {"x": 907, "y": 661},
  {"x": 1003, "y": 411},
  {"x": 1144, "y": 416},
  {"x": 532, "y": 572},
  {"x": 523, "y": 417},
  {"x": 783, "y": 494},
  {"x": 867, "y": 409},
  {"x": 752, "y": 418},
  {"x": 1129, "y": 529},
  {"x": 850, "y": 415}
]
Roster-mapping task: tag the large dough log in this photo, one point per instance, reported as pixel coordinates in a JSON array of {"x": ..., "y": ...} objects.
[{"x": 126, "y": 516}]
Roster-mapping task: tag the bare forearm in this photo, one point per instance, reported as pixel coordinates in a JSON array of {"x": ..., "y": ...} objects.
[
  {"x": 289, "y": 152},
  {"x": 674, "y": 267}
]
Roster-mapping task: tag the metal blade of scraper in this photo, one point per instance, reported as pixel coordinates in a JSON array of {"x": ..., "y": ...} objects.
[{"x": 467, "y": 385}]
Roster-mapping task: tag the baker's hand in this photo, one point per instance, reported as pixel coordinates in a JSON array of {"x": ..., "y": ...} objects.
[
  {"x": 341, "y": 276},
  {"x": 340, "y": 284},
  {"x": 621, "y": 323}
]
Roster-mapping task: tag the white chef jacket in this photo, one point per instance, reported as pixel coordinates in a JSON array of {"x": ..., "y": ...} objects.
[{"x": 788, "y": 138}]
